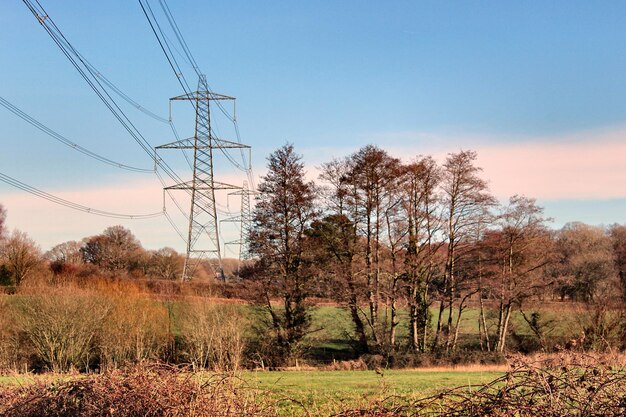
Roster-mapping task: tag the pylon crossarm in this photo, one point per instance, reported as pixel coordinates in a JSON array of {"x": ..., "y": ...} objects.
[
  {"x": 201, "y": 185},
  {"x": 217, "y": 143},
  {"x": 179, "y": 144},
  {"x": 224, "y": 186},
  {"x": 223, "y": 143},
  {"x": 202, "y": 95}
]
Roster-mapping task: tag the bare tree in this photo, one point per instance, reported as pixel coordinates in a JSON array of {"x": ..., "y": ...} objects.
[
  {"x": 284, "y": 211},
  {"x": 523, "y": 250},
  {"x": 397, "y": 231},
  {"x": 212, "y": 334},
  {"x": 422, "y": 209},
  {"x": 134, "y": 330},
  {"x": 65, "y": 258},
  {"x": 589, "y": 269},
  {"x": 66, "y": 253},
  {"x": 62, "y": 326},
  {"x": 21, "y": 255},
  {"x": 618, "y": 238},
  {"x": 338, "y": 241},
  {"x": 465, "y": 198},
  {"x": 3, "y": 217},
  {"x": 165, "y": 263},
  {"x": 372, "y": 174},
  {"x": 586, "y": 259}
]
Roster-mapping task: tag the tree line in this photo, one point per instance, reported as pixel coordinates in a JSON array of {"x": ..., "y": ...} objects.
[
  {"x": 400, "y": 245},
  {"x": 379, "y": 235}
]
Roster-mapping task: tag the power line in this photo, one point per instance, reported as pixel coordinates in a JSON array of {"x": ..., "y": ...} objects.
[
  {"x": 126, "y": 97},
  {"x": 15, "y": 110},
  {"x": 101, "y": 76},
  {"x": 165, "y": 47},
  {"x": 85, "y": 71},
  {"x": 119, "y": 92},
  {"x": 95, "y": 80},
  {"x": 179, "y": 35},
  {"x": 63, "y": 202},
  {"x": 74, "y": 57},
  {"x": 70, "y": 52},
  {"x": 164, "y": 44},
  {"x": 170, "y": 57},
  {"x": 169, "y": 219}
]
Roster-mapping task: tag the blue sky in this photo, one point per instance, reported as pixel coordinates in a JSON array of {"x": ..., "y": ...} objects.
[{"x": 521, "y": 82}]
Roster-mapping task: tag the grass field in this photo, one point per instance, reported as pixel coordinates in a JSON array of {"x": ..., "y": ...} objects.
[{"x": 324, "y": 392}]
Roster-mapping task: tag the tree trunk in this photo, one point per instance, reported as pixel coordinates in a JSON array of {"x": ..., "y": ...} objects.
[
  {"x": 458, "y": 320},
  {"x": 442, "y": 307},
  {"x": 484, "y": 324},
  {"x": 450, "y": 291},
  {"x": 368, "y": 271},
  {"x": 394, "y": 314},
  {"x": 359, "y": 328},
  {"x": 505, "y": 325}
]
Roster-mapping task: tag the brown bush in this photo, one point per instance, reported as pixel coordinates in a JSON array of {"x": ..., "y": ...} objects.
[
  {"x": 61, "y": 325},
  {"x": 349, "y": 365},
  {"x": 212, "y": 334},
  {"x": 135, "y": 330},
  {"x": 10, "y": 357},
  {"x": 154, "y": 391}
]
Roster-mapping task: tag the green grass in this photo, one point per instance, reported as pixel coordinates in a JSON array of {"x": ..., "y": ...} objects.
[
  {"x": 13, "y": 380},
  {"x": 27, "y": 379},
  {"x": 324, "y": 392},
  {"x": 332, "y": 326}
]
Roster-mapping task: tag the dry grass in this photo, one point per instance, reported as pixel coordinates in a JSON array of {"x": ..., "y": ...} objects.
[{"x": 477, "y": 367}]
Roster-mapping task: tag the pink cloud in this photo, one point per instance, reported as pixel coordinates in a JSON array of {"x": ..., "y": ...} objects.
[
  {"x": 593, "y": 169},
  {"x": 587, "y": 165},
  {"x": 50, "y": 224}
]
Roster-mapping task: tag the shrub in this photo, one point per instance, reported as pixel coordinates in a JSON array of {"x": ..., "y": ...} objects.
[
  {"x": 61, "y": 326},
  {"x": 136, "y": 330},
  {"x": 10, "y": 358},
  {"x": 212, "y": 334}
]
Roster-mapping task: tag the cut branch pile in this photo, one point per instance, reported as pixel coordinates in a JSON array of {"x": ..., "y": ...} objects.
[
  {"x": 157, "y": 391},
  {"x": 528, "y": 390}
]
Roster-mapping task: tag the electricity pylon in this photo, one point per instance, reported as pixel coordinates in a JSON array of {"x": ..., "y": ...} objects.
[
  {"x": 203, "y": 240},
  {"x": 245, "y": 220}
]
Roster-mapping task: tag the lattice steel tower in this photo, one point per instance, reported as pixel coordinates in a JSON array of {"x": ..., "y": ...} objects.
[
  {"x": 245, "y": 220},
  {"x": 203, "y": 240}
]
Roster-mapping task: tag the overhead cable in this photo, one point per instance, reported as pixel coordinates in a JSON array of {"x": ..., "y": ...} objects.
[
  {"x": 85, "y": 71},
  {"x": 15, "y": 110},
  {"x": 165, "y": 47},
  {"x": 79, "y": 207}
]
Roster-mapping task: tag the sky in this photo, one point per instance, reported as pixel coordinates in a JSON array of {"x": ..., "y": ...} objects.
[{"x": 538, "y": 89}]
